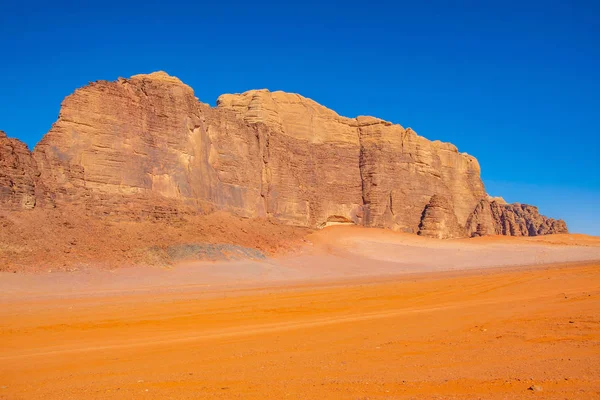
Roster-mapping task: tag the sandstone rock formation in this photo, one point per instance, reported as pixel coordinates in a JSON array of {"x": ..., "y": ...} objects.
[
  {"x": 495, "y": 218},
  {"x": 146, "y": 148},
  {"x": 18, "y": 175},
  {"x": 439, "y": 220},
  {"x": 363, "y": 169}
]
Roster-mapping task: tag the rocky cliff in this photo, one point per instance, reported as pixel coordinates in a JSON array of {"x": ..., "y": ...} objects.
[
  {"x": 18, "y": 175},
  {"x": 146, "y": 148},
  {"x": 325, "y": 167}
]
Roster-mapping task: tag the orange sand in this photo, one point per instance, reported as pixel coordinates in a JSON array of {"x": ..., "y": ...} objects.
[
  {"x": 474, "y": 334},
  {"x": 337, "y": 253}
]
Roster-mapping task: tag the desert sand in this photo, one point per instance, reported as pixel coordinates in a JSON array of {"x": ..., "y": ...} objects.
[{"x": 352, "y": 314}]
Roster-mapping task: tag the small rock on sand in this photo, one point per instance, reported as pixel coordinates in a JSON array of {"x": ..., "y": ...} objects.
[{"x": 535, "y": 388}]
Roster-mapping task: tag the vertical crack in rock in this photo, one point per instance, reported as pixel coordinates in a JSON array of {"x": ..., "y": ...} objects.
[{"x": 365, "y": 182}]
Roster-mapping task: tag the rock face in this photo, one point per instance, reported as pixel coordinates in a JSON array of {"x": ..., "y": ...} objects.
[
  {"x": 312, "y": 173},
  {"x": 146, "y": 148},
  {"x": 326, "y": 167},
  {"x": 495, "y": 218},
  {"x": 18, "y": 175},
  {"x": 439, "y": 220}
]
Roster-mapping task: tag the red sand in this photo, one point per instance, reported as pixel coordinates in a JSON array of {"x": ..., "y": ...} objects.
[{"x": 356, "y": 314}]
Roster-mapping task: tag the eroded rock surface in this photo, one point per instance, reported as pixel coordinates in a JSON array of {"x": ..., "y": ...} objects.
[
  {"x": 312, "y": 169},
  {"x": 495, "y": 218},
  {"x": 146, "y": 148},
  {"x": 363, "y": 169},
  {"x": 439, "y": 220},
  {"x": 18, "y": 175}
]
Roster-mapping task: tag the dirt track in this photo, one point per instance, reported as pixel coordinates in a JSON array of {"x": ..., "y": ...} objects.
[{"x": 488, "y": 334}]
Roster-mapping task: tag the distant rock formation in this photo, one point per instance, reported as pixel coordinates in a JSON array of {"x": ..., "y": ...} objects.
[
  {"x": 146, "y": 148},
  {"x": 495, "y": 218}
]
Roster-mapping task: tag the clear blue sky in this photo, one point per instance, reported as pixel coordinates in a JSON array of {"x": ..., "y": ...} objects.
[{"x": 515, "y": 83}]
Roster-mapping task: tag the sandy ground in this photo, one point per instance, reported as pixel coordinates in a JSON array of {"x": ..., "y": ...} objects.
[
  {"x": 334, "y": 254},
  {"x": 354, "y": 314}
]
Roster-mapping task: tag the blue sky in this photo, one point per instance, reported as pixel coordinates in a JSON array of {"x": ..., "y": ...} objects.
[{"x": 515, "y": 83}]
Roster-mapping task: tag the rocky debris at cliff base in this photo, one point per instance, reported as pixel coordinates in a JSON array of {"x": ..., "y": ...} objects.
[
  {"x": 41, "y": 240},
  {"x": 168, "y": 255}
]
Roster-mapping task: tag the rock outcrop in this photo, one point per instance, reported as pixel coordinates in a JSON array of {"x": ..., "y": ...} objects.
[
  {"x": 439, "y": 220},
  {"x": 146, "y": 148},
  {"x": 496, "y": 218},
  {"x": 18, "y": 175}
]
